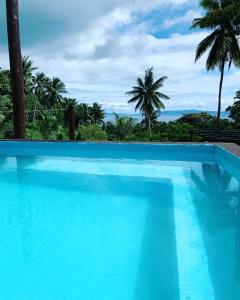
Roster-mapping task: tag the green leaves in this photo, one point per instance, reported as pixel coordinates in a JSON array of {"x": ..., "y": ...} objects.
[
  {"x": 223, "y": 43},
  {"x": 123, "y": 126},
  {"x": 147, "y": 96},
  {"x": 223, "y": 17},
  {"x": 146, "y": 93},
  {"x": 210, "y": 5},
  {"x": 234, "y": 110}
]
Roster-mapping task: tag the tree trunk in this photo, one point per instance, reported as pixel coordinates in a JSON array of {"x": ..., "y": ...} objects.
[
  {"x": 15, "y": 57},
  {"x": 220, "y": 93},
  {"x": 34, "y": 112},
  {"x": 149, "y": 127},
  {"x": 72, "y": 127}
]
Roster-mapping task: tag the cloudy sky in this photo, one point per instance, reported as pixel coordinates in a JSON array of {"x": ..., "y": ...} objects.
[{"x": 99, "y": 47}]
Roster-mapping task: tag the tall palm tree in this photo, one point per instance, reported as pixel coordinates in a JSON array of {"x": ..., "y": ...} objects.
[
  {"x": 83, "y": 116},
  {"x": 147, "y": 96},
  {"x": 67, "y": 102},
  {"x": 27, "y": 66},
  {"x": 97, "y": 114},
  {"x": 15, "y": 57},
  {"x": 28, "y": 69},
  {"x": 223, "y": 41},
  {"x": 40, "y": 83},
  {"x": 55, "y": 89}
]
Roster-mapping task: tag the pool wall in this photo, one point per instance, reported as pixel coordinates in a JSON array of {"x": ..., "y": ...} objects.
[
  {"x": 183, "y": 152},
  {"x": 227, "y": 153}
]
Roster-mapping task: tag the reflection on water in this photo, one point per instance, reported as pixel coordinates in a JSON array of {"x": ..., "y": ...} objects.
[{"x": 216, "y": 198}]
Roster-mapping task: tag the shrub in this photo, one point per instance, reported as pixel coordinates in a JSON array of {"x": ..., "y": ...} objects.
[{"x": 91, "y": 133}]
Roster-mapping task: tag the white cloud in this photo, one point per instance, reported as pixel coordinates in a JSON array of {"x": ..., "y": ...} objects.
[{"x": 100, "y": 63}]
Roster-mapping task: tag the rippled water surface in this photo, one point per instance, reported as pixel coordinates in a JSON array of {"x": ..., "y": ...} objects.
[{"x": 122, "y": 229}]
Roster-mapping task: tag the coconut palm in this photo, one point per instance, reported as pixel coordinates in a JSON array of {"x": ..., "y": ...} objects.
[
  {"x": 154, "y": 118},
  {"x": 27, "y": 66},
  {"x": 69, "y": 102},
  {"x": 147, "y": 96},
  {"x": 223, "y": 42},
  {"x": 40, "y": 82},
  {"x": 28, "y": 69},
  {"x": 97, "y": 114},
  {"x": 54, "y": 90},
  {"x": 123, "y": 126},
  {"x": 83, "y": 114}
]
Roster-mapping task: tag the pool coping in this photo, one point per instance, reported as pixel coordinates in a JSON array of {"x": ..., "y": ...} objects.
[{"x": 230, "y": 147}]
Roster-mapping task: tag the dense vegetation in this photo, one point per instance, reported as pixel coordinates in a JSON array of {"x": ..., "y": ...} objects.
[
  {"x": 47, "y": 105},
  {"x": 46, "y": 113}
]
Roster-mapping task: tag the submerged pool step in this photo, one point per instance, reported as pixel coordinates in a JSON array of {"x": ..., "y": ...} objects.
[{"x": 194, "y": 278}]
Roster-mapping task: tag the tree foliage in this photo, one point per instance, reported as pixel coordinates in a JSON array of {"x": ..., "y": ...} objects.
[
  {"x": 46, "y": 105},
  {"x": 148, "y": 97},
  {"x": 234, "y": 110},
  {"x": 222, "y": 44}
]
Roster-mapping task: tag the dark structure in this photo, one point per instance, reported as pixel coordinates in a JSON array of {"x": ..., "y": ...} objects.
[
  {"x": 15, "y": 57},
  {"x": 217, "y": 135},
  {"x": 72, "y": 126}
]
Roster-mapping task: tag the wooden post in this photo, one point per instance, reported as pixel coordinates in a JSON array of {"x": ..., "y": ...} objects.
[
  {"x": 71, "y": 120},
  {"x": 191, "y": 136},
  {"x": 15, "y": 58}
]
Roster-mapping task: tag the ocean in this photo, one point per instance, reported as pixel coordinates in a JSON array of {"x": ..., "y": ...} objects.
[{"x": 166, "y": 116}]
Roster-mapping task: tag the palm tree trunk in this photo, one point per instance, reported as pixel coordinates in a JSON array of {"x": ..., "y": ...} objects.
[
  {"x": 149, "y": 127},
  {"x": 15, "y": 57},
  {"x": 34, "y": 112},
  {"x": 220, "y": 93},
  {"x": 72, "y": 127}
]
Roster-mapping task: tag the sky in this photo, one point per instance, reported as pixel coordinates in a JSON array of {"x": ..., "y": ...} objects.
[{"x": 99, "y": 47}]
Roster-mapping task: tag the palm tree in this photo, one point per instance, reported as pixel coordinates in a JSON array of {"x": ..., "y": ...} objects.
[
  {"x": 234, "y": 110},
  {"x": 40, "y": 83},
  {"x": 28, "y": 69},
  {"x": 154, "y": 118},
  {"x": 27, "y": 65},
  {"x": 97, "y": 114},
  {"x": 123, "y": 126},
  {"x": 15, "y": 57},
  {"x": 83, "y": 114},
  {"x": 223, "y": 42},
  {"x": 147, "y": 96},
  {"x": 67, "y": 102},
  {"x": 54, "y": 91}
]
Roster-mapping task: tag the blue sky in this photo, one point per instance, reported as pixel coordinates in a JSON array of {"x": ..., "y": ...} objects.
[{"x": 98, "y": 48}]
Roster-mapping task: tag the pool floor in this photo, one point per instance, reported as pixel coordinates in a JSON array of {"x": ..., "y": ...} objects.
[{"x": 122, "y": 229}]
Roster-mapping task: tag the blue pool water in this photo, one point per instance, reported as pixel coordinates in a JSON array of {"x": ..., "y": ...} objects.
[{"x": 122, "y": 222}]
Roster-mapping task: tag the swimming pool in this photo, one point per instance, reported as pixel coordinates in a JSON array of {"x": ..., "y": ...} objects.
[{"x": 119, "y": 221}]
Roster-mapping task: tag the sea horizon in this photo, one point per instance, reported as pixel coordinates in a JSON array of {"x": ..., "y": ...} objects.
[{"x": 165, "y": 116}]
